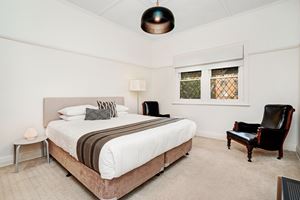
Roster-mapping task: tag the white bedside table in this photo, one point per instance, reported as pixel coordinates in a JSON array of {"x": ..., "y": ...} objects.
[{"x": 19, "y": 143}]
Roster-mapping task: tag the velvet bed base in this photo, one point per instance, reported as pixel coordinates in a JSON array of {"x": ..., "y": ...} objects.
[{"x": 117, "y": 187}]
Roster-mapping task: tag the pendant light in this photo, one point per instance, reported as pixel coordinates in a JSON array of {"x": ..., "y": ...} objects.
[{"x": 157, "y": 20}]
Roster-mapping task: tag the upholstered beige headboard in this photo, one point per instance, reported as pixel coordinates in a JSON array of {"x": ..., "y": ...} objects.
[{"x": 53, "y": 104}]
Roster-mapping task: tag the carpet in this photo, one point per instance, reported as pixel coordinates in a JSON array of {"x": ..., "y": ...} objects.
[{"x": 210, "y": 172}]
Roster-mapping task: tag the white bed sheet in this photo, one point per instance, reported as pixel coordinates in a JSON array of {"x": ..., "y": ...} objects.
[{"x": 123, "y": 154}]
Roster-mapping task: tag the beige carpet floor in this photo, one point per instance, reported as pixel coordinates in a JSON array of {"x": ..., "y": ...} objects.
[{"x": 211, "y": 172}]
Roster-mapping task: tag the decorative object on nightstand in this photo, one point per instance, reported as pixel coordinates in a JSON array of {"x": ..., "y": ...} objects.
[
  {"x": 38, "y": 139},
  {"x": 137, "y": 86},
  {"x": 30, "y": 134}
]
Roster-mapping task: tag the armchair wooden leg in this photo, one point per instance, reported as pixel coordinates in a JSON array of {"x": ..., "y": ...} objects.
[
  {"x": 249, "y": 151},
  {"x": 228, "y": 142},
  {"x": 280, "y": 153}
]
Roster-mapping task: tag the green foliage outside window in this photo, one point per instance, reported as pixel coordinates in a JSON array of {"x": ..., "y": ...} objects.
[{"x": 190, "y": 85}]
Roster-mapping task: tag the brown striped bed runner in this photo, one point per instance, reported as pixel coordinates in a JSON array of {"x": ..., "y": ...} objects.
[{"x": 90, "y": 144}]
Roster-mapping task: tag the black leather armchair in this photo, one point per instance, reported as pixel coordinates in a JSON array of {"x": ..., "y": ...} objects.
[
  {"x": 268, "y": 135},
  {"x": 151, "y": 108}
]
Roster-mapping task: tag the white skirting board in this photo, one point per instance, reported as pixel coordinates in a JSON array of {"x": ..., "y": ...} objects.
[
  {"x": 9, "y": 160},
  {"x": 6, "y": 160},
  {"x": 213, "y": 135}
]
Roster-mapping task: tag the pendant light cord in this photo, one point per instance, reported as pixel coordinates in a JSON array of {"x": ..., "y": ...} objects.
[{"x": 157, "y": 3}]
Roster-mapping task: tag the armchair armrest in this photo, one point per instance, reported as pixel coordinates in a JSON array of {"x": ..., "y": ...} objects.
[
  {"x": 269, "y": 137},
  {"x": 245, "y": 127}
]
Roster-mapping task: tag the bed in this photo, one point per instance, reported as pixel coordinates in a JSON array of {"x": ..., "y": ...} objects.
[{"x": 124, "y": 162}]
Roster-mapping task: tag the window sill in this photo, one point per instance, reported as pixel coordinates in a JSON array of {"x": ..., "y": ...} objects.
[{"x": 211, "y": 103}]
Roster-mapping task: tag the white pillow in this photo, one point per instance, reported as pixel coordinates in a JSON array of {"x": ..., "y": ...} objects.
[
  {"x": 121, "y": 108},
  {"x": 75, "y": 110},
  {"x": 121, "y": 114},
  {"x": 70, "y": 118}
]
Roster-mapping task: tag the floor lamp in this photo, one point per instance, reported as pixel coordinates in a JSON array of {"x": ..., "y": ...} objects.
[{"x": 137, "y": 86}]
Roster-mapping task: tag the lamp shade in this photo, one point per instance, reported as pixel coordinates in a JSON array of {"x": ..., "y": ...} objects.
[
  {"x": 157, "y": 20},
  {"x": 137, "y": 85}
]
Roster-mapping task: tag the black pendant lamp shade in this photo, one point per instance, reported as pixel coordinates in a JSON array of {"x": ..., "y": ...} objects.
[{"x": 157, "y": 20}]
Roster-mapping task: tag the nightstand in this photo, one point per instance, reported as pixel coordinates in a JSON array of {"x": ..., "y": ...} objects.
[{"x": 19, "y": 143}]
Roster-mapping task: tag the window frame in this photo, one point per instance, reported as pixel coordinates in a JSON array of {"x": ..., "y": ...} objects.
[{"x": 206, "y": 75}]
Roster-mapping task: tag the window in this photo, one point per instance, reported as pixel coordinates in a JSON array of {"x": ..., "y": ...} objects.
[
  {"x": 224, "y": 83},
  {"x": 212, "y": 76},
  {"x": 216, "y": 83},
  {"x": 190, "y": 85}
]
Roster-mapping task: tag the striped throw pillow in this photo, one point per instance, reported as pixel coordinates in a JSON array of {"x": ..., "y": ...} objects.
[{"x": 110, "y": 105}]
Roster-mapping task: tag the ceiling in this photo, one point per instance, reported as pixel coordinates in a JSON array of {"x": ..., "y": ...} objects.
[{"x": 188, "y": 13}]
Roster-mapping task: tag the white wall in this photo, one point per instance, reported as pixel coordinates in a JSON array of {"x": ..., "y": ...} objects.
[
  {"x": 49, "y": 48},
  {"x": 60, "y": 24},
  {"x": 29, "y": 73},
  {"x": 271, "y": 36}
]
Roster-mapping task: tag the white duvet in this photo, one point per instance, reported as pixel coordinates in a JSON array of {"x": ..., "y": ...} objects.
[{"x": 123, "y": 154}]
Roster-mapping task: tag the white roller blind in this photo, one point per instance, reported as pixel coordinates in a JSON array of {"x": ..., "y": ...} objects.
[{"x": 220, "y": 54}]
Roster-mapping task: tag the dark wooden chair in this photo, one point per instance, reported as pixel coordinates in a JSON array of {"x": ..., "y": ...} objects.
[
  {"x": 151, "y": 108},
  {"x": 268, "y": 135}
]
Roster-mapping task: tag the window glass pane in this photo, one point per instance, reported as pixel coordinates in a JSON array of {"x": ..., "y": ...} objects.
[
  {"x": 190, "y": 75},
  {"x": 190, "y": 85},
  {"x": 232, "y": 71},
  {"x": 224, "y": 83}
]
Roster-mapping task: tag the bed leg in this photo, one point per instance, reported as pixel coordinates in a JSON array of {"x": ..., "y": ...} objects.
[
  {"x": 162, "y": 170},
  {"x": 68, "y": 174}
]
